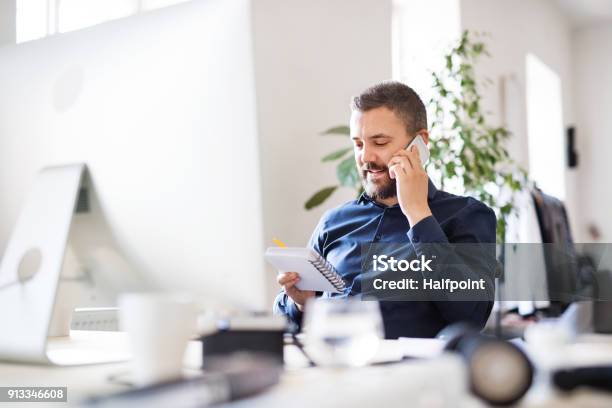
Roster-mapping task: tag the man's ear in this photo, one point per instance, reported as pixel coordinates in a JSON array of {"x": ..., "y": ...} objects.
[{"x": 425, "y": 135}]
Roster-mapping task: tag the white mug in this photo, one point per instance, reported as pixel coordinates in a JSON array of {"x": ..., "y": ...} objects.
[{"x": 159, "y": 326}]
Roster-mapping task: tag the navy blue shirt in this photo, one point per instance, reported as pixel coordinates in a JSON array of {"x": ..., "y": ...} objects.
[{"x": 342, "y": 230}]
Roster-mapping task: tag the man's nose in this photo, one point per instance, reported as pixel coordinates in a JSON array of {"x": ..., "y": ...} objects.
[{"x": 367, "y": 155}]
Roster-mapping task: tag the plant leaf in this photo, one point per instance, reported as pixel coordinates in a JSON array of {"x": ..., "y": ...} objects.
[
  {"x": 336, "y": 155},
  {"x": 319, "y": 197},
  {"x": 347, "y": 173},
  {"x": 338, "y": 130}
]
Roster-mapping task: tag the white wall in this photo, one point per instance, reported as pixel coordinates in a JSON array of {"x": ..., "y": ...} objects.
[
  {"x": 593, "y": 104},
  {"x": 310, "y": 58},
  {"x": 517, "y": 28},
  {"x": 7, "y": 22}
]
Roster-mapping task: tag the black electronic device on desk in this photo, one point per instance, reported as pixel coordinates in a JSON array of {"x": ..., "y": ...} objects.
[
  {"x": 483, "y": 355},
  {"x": 254, "y": 334},
  {"x": 595, "y": 377}
]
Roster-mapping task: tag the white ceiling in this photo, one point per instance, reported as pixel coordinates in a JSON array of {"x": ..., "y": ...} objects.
[{"x": 587, "y": 12}]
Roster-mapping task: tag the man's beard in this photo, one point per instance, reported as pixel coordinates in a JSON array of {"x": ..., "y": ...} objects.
[{"x": 381, "y": 189}]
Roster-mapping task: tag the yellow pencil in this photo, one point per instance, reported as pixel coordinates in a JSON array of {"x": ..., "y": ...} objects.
[{"x": 279, "y": 242}]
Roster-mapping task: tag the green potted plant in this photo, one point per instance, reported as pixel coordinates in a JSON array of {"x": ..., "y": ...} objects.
[{"x": 468, "y": 154}]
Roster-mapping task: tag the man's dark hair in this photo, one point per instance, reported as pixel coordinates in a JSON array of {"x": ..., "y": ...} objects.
[{"x": 397, "y": 97}]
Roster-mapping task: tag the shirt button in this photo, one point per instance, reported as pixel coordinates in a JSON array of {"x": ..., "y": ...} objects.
[
  {"x": 415, "y": 239},
  {"x": 377, "y": 237}
]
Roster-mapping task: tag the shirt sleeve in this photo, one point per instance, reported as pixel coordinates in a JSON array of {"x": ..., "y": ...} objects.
[
  {"x": 476, "y": 224},
  {"x": 427, "y": 230},
  {"x": 283, "y": 304}
]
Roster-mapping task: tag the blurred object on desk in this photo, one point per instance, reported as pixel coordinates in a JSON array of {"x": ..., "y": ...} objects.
[
  {"x": 95, "y": 318},
  {"x": 500, "y": 372},
  {"x": 159, "y": 325},
  {"x": 602, "y": 309},
  {"x": 598, "y": 377},
  {"x": 342, "y": 332},
  {"x": 230, "y": 378},
  {"x": 262, "y": 334}
]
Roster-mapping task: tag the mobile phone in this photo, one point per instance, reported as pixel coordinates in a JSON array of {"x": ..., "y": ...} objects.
[{"x": 421, "y": 147}]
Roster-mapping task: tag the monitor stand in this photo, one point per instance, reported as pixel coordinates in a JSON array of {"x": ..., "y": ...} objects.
[{"x": 35, "y": 310}]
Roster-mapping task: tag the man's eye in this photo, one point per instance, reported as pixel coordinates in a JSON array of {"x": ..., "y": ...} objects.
[
  {"x": 358, "y": 145},
  {"x": 381, "y": 143}
]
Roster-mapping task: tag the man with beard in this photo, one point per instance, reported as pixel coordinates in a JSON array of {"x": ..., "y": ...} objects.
[{"x": 399, "y": 205}]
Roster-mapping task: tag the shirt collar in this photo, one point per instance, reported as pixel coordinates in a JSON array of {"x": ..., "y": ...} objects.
[{"x": 431, "y": 192}]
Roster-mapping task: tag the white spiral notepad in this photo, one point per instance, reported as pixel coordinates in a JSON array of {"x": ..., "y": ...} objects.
[{"x": 316, "y": 273}]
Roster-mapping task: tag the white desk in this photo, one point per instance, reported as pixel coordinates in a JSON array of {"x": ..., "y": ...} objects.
[{"x": 434, "y": 383}]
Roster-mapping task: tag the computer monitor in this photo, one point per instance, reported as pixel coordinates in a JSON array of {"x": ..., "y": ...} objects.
[{"x": 161, "y": 108}]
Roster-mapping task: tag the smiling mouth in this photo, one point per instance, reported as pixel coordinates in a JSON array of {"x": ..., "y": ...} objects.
[{"x": 375, "y": 174}]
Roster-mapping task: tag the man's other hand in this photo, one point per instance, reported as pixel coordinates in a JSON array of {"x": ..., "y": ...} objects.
[{"x": 288, "y": 280}]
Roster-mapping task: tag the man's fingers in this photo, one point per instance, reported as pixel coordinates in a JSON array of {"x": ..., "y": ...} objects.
[
  {"x": 394, "y": 169},
  {"x": 412, "y": 155},
  {"x": 400, "y": 173},
  {"x": 398, "y": 167},
  {"x": 410, "y": 158},
  {"x": 415, "y": 158},
  {"x": 288, "y": 280},
  {"x": 286, "y": 277},
  {"x": 403, "y": 161},
  {"x": 401, "y": 152}
]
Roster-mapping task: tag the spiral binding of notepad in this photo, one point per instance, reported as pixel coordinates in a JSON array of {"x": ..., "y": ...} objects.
[{"x": 329, "y": 272}]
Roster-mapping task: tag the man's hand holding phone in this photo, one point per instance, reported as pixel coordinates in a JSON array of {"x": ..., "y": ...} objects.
[
  {"x": 412, "y": 183},
  {"x": 288, "y": 280}
]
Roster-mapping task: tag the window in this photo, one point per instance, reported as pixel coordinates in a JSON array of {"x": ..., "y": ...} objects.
[
  {"x": 545, "y": 135},
  {"x": 41, "y": 18},
  {"x": 418, "y": 45}
]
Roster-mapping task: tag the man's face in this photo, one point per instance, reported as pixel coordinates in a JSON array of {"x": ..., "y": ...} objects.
[{"x": 377, "y": 134}]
